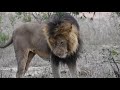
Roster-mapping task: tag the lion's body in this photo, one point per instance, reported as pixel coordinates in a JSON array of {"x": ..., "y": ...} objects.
[
  {"x": 57, "y": 40},
  {"x": 30, "y": 37}
]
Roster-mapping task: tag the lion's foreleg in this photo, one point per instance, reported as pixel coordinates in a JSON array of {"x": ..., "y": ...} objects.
[
  {"x": 55, "y": 68},
  {"x": 72, "y": 68}
]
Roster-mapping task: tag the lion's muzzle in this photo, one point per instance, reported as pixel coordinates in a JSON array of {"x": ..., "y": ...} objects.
[{"x": 61, "y": 53}]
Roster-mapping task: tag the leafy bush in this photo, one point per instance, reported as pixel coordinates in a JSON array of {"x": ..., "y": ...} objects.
[
  {"x": 0, "y": 19},
  {"x": 26, "y": 17},
  {"x": 18, "y": 13},
  {"x": 118, "y": 13},
  {"x": 3, "y": 37},
  {"x": 12, "y": 20}
]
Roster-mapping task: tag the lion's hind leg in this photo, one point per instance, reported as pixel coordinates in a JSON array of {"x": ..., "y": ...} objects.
[
  {"x": 30, "y": 56},
  {"x": 22, "y": 57}
]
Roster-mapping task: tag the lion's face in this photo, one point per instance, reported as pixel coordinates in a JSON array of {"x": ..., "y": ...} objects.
[
  {"x": 62, "y": 37},
  {"x": 59, "y": 46}
]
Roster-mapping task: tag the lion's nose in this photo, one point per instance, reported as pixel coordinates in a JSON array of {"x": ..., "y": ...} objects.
[{"x": 59, "y": 54}]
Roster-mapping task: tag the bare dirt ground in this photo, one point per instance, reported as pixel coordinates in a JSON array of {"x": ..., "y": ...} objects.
[{"x": 93, "y": 63}]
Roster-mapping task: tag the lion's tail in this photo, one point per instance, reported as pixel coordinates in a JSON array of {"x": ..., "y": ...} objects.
[{"x": 7, "y": 44}]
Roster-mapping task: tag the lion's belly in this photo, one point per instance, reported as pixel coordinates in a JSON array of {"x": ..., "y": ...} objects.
[{"x": 43, "y": 55}]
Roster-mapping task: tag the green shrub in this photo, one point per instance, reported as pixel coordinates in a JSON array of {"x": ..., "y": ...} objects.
[
  {"x": 45, "y": 17},
  {"x": 18, "y": 15},
  {"x": 0, "y": 19},
  {"x": 3, "y": 37},
  {"x": 114, "y": 53},
  {"x": 27, "y": 18},
  {"x": 12, "y": 20},
  {"x": 118, "y": 13}
]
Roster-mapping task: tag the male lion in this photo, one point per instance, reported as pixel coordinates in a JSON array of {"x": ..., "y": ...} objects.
[{"x": 57, "y": 40}]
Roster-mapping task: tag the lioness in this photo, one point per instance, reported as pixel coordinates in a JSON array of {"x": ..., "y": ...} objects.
[{"x": 57, "y": 40}]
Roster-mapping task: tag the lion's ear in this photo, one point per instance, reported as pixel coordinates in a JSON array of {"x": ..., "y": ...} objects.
[
  {"x": 67, "y": 25},
  {"x": 74, "y": 29}
]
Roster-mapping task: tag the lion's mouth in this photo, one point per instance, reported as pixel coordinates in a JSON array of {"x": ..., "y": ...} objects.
[{"x": 62, "y": 56}]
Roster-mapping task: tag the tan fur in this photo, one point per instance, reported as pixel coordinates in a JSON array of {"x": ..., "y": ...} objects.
[
  {"x": 28, "y": 40},
  {"x": 73, "y": 40}
]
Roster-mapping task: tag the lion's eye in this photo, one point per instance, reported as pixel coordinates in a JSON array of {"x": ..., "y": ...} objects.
[{"x": 61, "y": 43}]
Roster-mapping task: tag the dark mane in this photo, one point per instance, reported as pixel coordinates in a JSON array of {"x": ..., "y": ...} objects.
[
  {"x": 56, "y": 20},
  {"x": 53, "y": 23}
]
